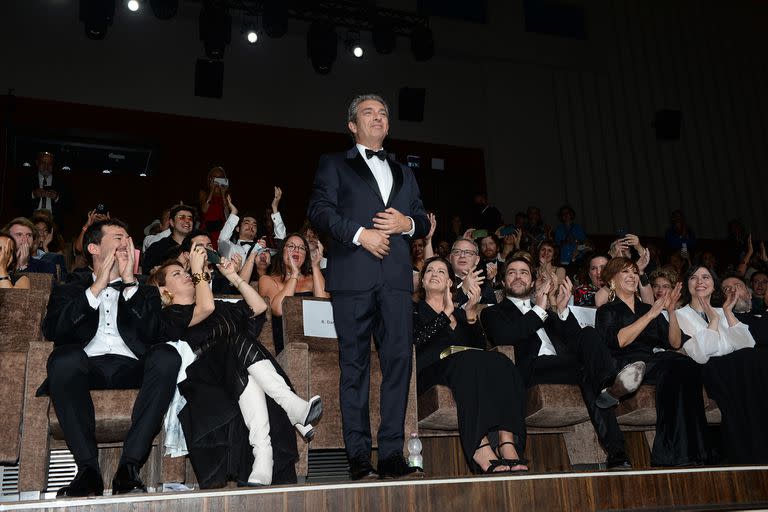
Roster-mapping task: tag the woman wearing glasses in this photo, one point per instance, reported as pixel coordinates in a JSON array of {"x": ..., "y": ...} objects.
[{"x": 294, "y": 273}]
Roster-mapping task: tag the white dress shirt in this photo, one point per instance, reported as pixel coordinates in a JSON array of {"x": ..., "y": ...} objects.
[
  {"x": 524, "y": 305},
  {"x": 228, "y": 248},
  {"x": 107, "y": 340},
  {"x": 383, "y": 176},
  {"x": 45, "y": 202}
]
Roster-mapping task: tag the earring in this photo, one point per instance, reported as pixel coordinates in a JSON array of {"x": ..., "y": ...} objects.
[
  {"x": 612, "y": 295},
  {"x": 166, "y": 298}
]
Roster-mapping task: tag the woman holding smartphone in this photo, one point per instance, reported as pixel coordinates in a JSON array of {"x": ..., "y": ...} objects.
[{"x": 213, "y": 203}]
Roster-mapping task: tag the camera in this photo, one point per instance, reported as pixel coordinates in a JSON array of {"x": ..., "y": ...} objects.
[
  {"x": 102, "y": 209},
  {"x": 223, "y": 182}
]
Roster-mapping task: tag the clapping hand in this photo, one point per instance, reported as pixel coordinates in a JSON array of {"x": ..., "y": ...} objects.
[
  {"x": 105, "y": 271},
  {"x": 673, "y": 297},
  {"x": 230, "y": 204},
  {"x": 730, "y": 300},
  {"x": 316, "y": 253},
  {"x": 644, "y": 260},
  {"x": 541, "y": 297},
  {"x": 125, "y": 261},
  {"x": 473, "y": 277},
  {"x": 448, "y": 306},
  {"x": 564, "y": 295},
  {"x": 712, "y": 316}
]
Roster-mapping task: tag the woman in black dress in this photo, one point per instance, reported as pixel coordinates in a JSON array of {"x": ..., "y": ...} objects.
[
  {"x": 231, "y": 365},
  {"x": 637, "y": 331},
  {"x": 486, "y": 386}
]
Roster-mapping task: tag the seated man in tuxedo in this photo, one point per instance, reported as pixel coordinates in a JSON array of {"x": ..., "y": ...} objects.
[
  {"x": 27, "y": 240},
  {"x": 104, "y": 326},
  {"x": 551, "y": 347},
  {"x": 464, "y": 258},
  {"x": 756, "y": 319},
  {"x": 182, "y": 220}
]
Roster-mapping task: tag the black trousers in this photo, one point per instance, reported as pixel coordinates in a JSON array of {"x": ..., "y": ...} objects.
[
  {"x": 586, "y": 361},
  {"x": 71, "y": 376},
  {"x": 386, "y": 314}
]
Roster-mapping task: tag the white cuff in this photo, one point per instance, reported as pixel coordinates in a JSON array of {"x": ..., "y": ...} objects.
[
  {"x": 356, "y": 238},
  {"x": 540, "y": 312},
  {"x": 411, "y": 231},
  {"x": 130, "y": 292},
  {"x": 277, "y": 221},
  {"x": 94, "y": 301},
  {"x": 564, "y": 315}
]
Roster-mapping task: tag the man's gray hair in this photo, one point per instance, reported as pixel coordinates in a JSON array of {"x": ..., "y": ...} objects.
[{"x": 352, "y": 110}]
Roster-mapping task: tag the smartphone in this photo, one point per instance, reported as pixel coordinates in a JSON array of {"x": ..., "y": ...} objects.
[
  {"x": 508, "y": 230},
  {"x": 480, "y": 233},
  {"x": 213, "y": 256},
  {"x": 621, "y": 232},
  {"x": 224, "y": 182}
]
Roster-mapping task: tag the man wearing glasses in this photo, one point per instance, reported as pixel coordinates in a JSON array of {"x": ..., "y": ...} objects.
[
  {"x": 744, "y": 310},
  {"x": 464, "y": 258}
]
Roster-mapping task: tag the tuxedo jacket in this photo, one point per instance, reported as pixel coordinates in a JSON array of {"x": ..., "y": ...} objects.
[
  {"x": 28, "y": 204},
  {"x": 70, "y": 319},
  {"x": 504, "y": 324},
  {"x": 346, "y": 197}
]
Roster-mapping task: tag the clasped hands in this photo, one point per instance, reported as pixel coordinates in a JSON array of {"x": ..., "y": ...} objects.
[{"x": 389, "y": 222}]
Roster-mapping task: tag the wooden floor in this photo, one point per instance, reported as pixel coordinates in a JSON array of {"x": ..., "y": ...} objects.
[{"x": 711, "y": 488}]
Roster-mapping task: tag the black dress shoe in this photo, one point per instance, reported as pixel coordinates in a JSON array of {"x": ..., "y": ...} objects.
[
  {"x": 127, "y": 480},
  {"x": 395, "y": 466},
  {"x": 360, "y": 468},
  {"x": 87, "y": 482},
  {"x": 618, "y": 463}
]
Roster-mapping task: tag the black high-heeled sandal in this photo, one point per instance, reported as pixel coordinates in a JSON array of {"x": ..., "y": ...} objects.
[
  {"x": 492, "y": 464},
  {"x": 511, "y": 462}
]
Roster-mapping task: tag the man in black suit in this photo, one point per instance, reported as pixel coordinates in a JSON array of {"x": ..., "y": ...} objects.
[
  {"x": 551, "y": 347},
  {"x": 370, "y": 207},
  {"x": 39, "y": 192},
  {"x": 464, "y": 259},
  {"x": 756, "y": 320},
  {"x": 182, "y": 221},
  {"x": 104, "y": 327}
]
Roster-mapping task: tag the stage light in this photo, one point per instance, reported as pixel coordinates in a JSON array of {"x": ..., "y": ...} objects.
[
  {"x": 133, "y": 5},
  {"x": 164, "y": 9},
  {"x": 274, "y": 18},
  {"x": 383, "y": 35},
  {"x": 215, "y": 29},
  {"x": 252, "y": 36},
  {"x": 97, "y": 16},
  {"x": 353, "y": 44},
  {"x": 422, "y": 43},
  {"x": 321, "y": 46}
]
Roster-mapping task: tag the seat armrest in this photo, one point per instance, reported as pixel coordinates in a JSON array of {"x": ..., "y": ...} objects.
[{"x": 33, "y": 456}]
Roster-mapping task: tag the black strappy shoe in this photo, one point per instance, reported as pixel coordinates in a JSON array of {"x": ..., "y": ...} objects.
[{"x": 511, "y": 462}]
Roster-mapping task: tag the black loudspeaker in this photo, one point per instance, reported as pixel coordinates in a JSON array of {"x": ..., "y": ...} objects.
[
  {"x": 667, "y": 124},
  {"x": 411, "y": 104},
  {"x": 209, "y": 78}
]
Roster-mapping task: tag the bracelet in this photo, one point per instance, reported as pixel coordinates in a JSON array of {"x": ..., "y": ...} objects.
[
  {"x": 200, "y": 277},
  {"x": 241, "y": 282}
]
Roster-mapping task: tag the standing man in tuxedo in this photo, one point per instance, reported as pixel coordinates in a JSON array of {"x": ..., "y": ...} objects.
[
  {"x": 40, "y": 192},
  {"x": 371, "y": 208},
  {"x": 104, "y": 327},
  {"x": 551, "y": 347}
]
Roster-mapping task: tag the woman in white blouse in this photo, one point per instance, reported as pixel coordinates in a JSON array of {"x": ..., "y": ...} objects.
[
  {"x": 712, "y": 331},
  {"x": 735, "y": 375}
]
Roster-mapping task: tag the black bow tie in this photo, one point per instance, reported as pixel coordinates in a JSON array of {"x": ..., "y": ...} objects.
[
  {"x": 369, "y": 153},
  {"x": 120, "y": 285},
  {"x": 246, "y": 242}
]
